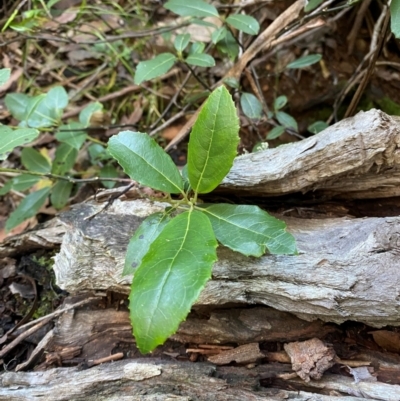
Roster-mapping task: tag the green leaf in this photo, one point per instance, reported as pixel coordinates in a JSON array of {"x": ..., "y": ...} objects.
[
  {"x": 51, "y": 3},
  {"x": 280, "y": 102},
  {"x": 218, "y": 34},
  {"x": 31, "y": 104},
  {"x": 185, "y": 176},
  {"x": 249, "y": 230},
  {"x": 33, "y": 160},
  {"x": 75, "y": 138},
  {"x": 140, "y": 242},
  {"x": 57, "y": 98},
  {"x": 202, "y": 22},
  {"x": 21, "y": 182},
  {"x": 10, "y": 139},
  {"x": 228, "y": 46},
  {"x": 305, "y": 61},
  {"x": 64, "y": 159},
  {"x": 153, "y": 68},
  {"x": 191, "y": 8},
  {"x": 251, "y": 106},
  {"x": 86, "y": 114},
  {"x": 97, "y": 153},
  {"x": 145, "y": 161},
  {"x": 60, "y": 193},
  {"x": 181, "y": 42},
  {"x": 275, "y": 132},
  {"x": 28, "y": 207},
  {"x": 6, "y": 188},
  {"x": 311, "y": 4},
  {"x": 232, "y": 82},
  {"x": 244, "y": 23},
  {"x": 286, "y": 120},
  {"x": 395, "y": 18},
  {"x": 171, "y": 277},
  {"x": 17, "y": 103},
  {"x": 108, "y": 171},
  {"x": 317, "y": 127},
  {"x": 24, "y": 181},
  {"x": 213, "y": 142},
  {"x": 4, "y": 75},
  {"x": 197, "y": 47},
  {"x": 200, "y": 60},
  {"x": 41, "y": 113}
]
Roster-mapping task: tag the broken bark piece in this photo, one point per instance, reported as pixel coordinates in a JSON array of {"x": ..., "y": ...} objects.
[
  {"x": 388, "y": 340},
  {"x": 311, "y": 358},
  {"x": 364, "y": 162},
  {"x": 44, "y": 236},
  {"x": 243, "y": 354},
  {"x": 243, "y": 325},
  {"x": 335, "y": 384},
  {"x": 363, "y": 374}
]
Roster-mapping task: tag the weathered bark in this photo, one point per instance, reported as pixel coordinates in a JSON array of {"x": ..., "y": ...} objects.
[
  {"x": 155, "y": 380},
  {"x": 85, "y": 329},
  {"x": 356, "y": 158},
  {"x": 347, "y": 269},
  {"x": 44, "y": 236}
]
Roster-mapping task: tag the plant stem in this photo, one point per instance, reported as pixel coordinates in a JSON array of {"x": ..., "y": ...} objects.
[
  {"x": 198, "y": 78},
  {"x": 62, "y": 177}
]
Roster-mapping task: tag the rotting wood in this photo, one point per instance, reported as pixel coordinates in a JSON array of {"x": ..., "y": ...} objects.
[
  {"x": 347, "y": 269},
  {"x": 48, "y": 235},
  {"x": 345, "y": 385},
  {"x": 156, "y": 380},
  {"x": 99, "y": 331}
]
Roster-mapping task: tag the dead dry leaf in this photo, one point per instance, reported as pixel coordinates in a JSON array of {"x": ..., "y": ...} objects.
[
  {"x": 243, "y": 354},
  {"x": 388, "y": 340},
  {"x": 170, "y": 132},
  {"x": 311, "y": 358},
  {"x": 135, "y": 116},
  {"x": 67, "y": 16},
  {"x": 13, "y": 78},
  {"x": 25, "y": 225}
]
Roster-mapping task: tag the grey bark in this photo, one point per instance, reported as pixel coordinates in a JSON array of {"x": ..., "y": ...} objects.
[
  {"x": 347, "y": 269},
  {"x": 155, "y": 380},
  {"x": 357, "y": 158}
]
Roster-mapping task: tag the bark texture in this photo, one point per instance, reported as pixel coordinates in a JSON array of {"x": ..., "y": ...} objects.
[
  {"x": 347, "y": 269},
  {"x": 357, "y": 158},
  {"x": 155, "y": 380}
]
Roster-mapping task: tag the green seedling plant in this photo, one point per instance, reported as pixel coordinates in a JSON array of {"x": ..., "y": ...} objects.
[
  {"x": 253, "y": 108},
  {"x": 172, "y": 253},
  {"x": 194, "y": 55},
  {"x": 38, "y": 114}
]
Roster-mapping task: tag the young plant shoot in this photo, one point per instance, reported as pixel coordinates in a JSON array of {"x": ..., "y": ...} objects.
[{"x": 172, "y": 253}]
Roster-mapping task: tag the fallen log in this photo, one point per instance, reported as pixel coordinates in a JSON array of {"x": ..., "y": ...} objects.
[
  {"x": 357, "y": 158},
  {"x": 145, "y": 380},
  {"x": 347, "y": 269}
]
